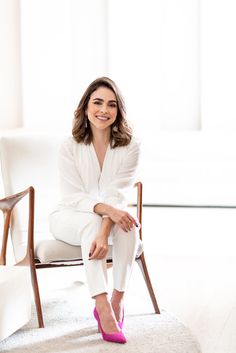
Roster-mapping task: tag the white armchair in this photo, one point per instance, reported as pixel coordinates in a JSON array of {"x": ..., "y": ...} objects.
[{"x": 32, "y": 160}]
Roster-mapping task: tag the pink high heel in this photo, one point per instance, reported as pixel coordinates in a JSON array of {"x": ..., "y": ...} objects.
[{"x": 117, "y": 337}]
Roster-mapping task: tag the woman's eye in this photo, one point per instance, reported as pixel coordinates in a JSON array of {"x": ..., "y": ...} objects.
[
  {"x": 97, "y": 102},
  {"x": 113, "y": 105}
]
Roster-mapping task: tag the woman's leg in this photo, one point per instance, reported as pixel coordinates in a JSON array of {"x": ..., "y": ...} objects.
[
  {"x": 77, "y": 228},
  {"x": 125, "y": 246},
  {"x": 117, "y": 303}
]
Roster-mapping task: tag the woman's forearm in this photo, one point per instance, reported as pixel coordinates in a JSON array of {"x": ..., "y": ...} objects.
[
  {"x": 125, "y": 220},
  {"x": 106, "y": 226},
  {"x": 102, "y": 209}
]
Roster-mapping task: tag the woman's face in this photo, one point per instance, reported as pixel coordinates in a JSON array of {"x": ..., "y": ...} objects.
[{"x": 102, "y": 108}]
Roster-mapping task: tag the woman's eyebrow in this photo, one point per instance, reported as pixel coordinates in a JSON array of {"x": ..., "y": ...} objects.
[
  {"x": 98, "y": 99},
  {"x": 102, "y": 100}
]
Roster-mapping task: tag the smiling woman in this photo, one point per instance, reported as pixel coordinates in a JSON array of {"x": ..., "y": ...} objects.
[{"x": 97, "y": 167}]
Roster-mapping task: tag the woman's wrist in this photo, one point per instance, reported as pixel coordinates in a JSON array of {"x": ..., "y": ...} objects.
[{"x": 103, "y": 209}]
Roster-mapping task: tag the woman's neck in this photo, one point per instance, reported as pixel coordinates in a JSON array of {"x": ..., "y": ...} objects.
[{"x": 101, "y": 137}]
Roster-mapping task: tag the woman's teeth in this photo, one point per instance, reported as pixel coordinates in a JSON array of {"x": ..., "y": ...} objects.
[{"x": 102, "y": 118}]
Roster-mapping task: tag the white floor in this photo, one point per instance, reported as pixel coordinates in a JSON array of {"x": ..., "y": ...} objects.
[{"x": 191, "y": 259}]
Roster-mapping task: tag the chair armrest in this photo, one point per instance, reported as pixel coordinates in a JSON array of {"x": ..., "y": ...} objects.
[
  {"x": 139, "y": 187},
  {"x": 7, "y": 205}
]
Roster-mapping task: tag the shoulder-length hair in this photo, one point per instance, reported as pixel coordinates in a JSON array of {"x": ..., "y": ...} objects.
[{"x": 121, "y": 132}]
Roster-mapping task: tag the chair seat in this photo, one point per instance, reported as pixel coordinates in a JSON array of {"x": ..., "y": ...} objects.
[{"x": 48, "y": 251}]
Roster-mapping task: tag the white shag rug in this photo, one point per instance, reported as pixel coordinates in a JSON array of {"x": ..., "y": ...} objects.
[{"x": 70, "y": 328}]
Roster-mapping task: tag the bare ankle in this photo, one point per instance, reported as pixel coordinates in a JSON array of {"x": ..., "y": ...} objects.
[
  {"x": 117, "y": 297},
  {"x": 102, "y": 303}
]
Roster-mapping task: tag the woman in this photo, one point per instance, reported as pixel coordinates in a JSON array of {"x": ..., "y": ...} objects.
[{"x": 97, "y": 166}]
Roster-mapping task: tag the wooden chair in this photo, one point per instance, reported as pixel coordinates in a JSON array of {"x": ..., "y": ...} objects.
[{"x": 32, "y": 158}]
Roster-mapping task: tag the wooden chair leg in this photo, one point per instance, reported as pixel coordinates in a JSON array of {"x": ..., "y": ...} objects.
[
  {"x": 143, "y": 267},
  {"x": 37, "y": 300},
  {"x": 28, "y": 261}
]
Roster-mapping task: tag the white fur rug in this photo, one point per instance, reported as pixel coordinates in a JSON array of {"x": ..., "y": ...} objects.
[{"x": 70, "y": 328}]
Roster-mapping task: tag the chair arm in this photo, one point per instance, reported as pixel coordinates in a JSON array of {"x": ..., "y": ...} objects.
[
  {"x": 139, "y": 186},
  {"x": 7, "y": 205}
]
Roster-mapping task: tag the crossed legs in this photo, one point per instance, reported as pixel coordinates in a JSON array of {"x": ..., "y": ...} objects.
[{"x": 81, "y": 229}]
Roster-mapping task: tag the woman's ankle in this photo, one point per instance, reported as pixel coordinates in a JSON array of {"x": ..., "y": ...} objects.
[
  {"x": 117, "y": 298},
  {"x": 117, "y": 302},
  {"x": 102, "y": 301},
  {"x": 106, "y": 313}
]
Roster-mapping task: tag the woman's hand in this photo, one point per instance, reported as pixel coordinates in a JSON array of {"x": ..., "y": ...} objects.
[
  {"x": 122, "y": 218},
  {"x": 99, "y": 247}
]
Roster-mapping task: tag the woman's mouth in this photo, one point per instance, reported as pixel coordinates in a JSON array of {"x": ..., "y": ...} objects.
[{"x": 101, "y": 117}]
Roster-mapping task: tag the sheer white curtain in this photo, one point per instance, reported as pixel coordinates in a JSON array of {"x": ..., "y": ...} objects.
[
  {"x": 150, "y": 48},
  {"x": 10, "y": 65},
  {"x": 154, "y": 53},
  {"x": 64, "y": 47},
  {"x": 218, "y": 68},
  {"x": 173, "y": 60}
]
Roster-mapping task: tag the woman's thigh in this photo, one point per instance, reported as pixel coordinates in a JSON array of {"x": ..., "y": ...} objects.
[{"x": 71, "y": 225}]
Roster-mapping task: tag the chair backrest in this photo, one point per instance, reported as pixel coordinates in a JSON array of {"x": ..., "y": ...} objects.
[{"x": 30, "y": 159}]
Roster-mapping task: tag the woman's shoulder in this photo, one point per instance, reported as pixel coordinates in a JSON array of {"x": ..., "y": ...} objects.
[
  {"x": 135, "y": 143},
  {"x": 133, "y": 147},
  {"x": 71, "y": 146},
  {"x": 135, "y": 140},
  {"x": 68, "y": 145}
]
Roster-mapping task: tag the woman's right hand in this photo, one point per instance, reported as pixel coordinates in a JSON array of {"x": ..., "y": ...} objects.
[{"x": 122, "y": 218}]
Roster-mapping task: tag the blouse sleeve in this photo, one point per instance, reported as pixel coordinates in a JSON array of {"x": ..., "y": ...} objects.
[
  {"x": 115, "y": 192},
  {"x": 71, "y": 185}
]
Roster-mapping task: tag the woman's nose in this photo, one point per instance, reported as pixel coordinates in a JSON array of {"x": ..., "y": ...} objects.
[{"x": 103, "y": 108}]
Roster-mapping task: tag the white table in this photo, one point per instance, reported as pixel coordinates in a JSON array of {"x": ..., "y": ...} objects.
[{"x": 15, "y": 299}]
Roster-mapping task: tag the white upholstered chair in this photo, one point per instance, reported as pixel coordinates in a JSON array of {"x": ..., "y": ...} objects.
[{"x": 29, "y": 167}]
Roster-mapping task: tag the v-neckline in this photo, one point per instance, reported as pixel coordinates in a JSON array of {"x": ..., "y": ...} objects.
[{"x": 96, "y": 157}]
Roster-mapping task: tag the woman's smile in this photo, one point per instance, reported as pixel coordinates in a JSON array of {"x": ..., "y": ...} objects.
[{"x": 102, "y": 117}]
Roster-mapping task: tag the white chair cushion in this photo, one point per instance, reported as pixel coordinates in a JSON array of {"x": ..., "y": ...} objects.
[{"x": 48, "y": 251}]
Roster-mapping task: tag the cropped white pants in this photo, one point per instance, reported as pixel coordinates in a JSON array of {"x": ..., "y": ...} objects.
[{"x": 80, "y": 228}]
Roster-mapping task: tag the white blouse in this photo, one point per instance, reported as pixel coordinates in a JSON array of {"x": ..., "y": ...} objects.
[{"x": 82, "y": 182}]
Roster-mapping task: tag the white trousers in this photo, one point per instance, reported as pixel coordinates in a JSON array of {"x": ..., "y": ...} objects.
[{"x": 80, "y": 229}]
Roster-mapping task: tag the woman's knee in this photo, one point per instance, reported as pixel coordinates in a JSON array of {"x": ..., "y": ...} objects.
[
  {"x": 131, "y": 236},
  {"x": 70, "y": 226},
  {"x": 94, "y": 221}
]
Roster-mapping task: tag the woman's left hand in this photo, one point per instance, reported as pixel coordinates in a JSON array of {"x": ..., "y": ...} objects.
[{"x": 99, "y": 248}]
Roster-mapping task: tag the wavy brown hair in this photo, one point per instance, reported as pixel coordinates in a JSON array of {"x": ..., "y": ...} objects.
[{"x": 121, "y": 132}]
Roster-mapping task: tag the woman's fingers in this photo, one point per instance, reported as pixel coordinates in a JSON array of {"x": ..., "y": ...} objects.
[
  {"x": 133, "y": 220},
  {"x": 99, "y": 252},
  {"x": 127, "y": 222},
  {"x": 124, "y": 219},
  {"x": 126, "y": 225},
  {"x": 92, "y": 249}
]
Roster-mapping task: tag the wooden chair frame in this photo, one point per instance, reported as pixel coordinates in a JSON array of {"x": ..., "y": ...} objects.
[{"x": 7, "y": 205}]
